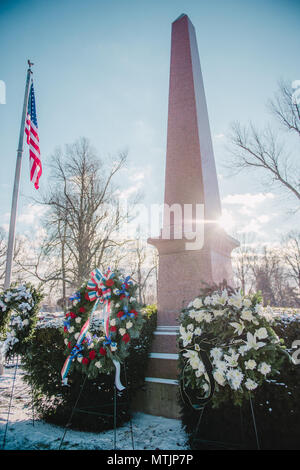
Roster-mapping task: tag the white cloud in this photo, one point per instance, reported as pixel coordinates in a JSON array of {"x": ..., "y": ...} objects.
[
  {"x": 247, "y": 199},
  {"x": 137, "y": 176},
  {"x": 32, "y": 214},
  {"x": 253, "y": 226},
  {"x": 126, "y": 193},
  {"x": 227, "y": 220}
]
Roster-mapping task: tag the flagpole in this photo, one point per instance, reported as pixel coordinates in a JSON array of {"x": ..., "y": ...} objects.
[{"x": 14, "y": 205}]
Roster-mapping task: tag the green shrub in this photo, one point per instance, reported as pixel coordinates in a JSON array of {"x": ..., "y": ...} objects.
[
  {"x": 54, "y": 402},
  {"x": 276, "y": 408}
]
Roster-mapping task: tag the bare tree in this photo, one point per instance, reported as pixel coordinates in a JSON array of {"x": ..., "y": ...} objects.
[
  {"x": 144, "y": 267},
  {"x": 243, "y": 257},
  {"x": 264, "y": 150},
  {"x": 83, "y": 217},
  {"x": 272, "y": 278},
  {"x": 17, "y": 252},
  {"x": 291, "y": 256}
]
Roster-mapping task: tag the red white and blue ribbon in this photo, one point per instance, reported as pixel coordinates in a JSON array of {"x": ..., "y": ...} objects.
[
  {"x": 75, "y": 352},
  {"x": 101, "y": 293},
  {"x": 99, "y": 290}
]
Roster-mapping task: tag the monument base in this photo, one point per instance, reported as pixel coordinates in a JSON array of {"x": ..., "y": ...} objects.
[{"x": 158, "y": 399}]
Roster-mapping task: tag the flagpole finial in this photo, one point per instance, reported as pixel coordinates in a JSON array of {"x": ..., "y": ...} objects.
[{"x": 30, "y": 64}]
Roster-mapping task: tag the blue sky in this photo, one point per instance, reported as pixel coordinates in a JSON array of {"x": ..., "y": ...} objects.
[{"x": 102, "y": 71}]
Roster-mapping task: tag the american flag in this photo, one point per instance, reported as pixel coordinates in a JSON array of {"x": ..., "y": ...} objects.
[{"x": 31, "y": 130}]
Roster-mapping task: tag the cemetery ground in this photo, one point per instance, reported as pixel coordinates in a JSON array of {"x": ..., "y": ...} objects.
[{"x": 26, "y": 432}]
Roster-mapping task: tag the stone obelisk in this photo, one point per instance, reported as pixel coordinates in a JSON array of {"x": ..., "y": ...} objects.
[{"x": 190, "y": 182}]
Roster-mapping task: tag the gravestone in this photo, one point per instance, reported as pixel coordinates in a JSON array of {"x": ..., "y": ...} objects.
[{"x": 191, "y": 190}]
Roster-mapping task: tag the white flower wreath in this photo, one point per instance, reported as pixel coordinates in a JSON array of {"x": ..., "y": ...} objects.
[
  {"x": 20, "y": 305},
  {"x": 240, "y": 342}
]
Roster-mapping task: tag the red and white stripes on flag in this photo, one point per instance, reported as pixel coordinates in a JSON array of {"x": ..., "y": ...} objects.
[{"x": 31, "y": 130}]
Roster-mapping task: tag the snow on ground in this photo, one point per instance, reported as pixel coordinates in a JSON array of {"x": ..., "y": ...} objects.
[{"x": 149, "y": 432}]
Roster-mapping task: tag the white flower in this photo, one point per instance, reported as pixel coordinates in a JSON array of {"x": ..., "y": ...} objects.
[
  {"x": 238, "y": 327},
  {"x": 186, "y": 336},
  {"x": 259, "y": 309},
  {"x": 25, "y": 322},
  {"x": 197, "y": 303},
  {"x": 98, "y": 364},
  {"x": 190, "y": 327},
  {"x": 198, "y": 331},
  {"x": 25, "y": 306},
  {"x": 208, "y": 317},
  {"x": 192, "y": 313},
  {"x": 76, "y": 336},
  {"x": 113, "y": 322},
  {"x": 66, "y": 341},
  {"x": 236, "y": 300},
  {"x": 190, "y": 304},
  {"x": 216, "y": 353},
  {"x": 242, "y": 349},
  {"x": 247, "y": 315},
  {"x": 117, "y": 305},
  {"x": 261, "y": 333},
  {"x": 122, "y": 331},
  {"x": 235, "y": 377},
  {"x": 219, "y": 313},
  {"x": 220, "y": 299},
  {"x": 199, "y": 316},
  {"x": 129, "y": 325},
  {"x": 219, "y": 377},
  {"x": 208, "y": 300},
  {"x": 78, "y": 320},
  {"x": 221, "y": 366},
  {"x": 247, "y": 303},
  {"x": 197, "y": 347},
  {"x": 264, "y": 368},
  {"x": 251, "y": 364},
  {"x": 71, "y": 329},
  {"x": 251, "y": 342},
  {"x": 193, "y": 359},
  {"x": 132, "y": 299},
  {"x": 232, "y": 360},
  {"x": 250, "y": 384}
]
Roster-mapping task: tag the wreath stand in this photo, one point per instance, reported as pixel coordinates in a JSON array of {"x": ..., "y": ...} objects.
[
  {"x": 202, "y": 402},
  {"x": 104, "y": 406},
  {"x": 221, "y": 445},
  {"x": 15, "y": 364}
]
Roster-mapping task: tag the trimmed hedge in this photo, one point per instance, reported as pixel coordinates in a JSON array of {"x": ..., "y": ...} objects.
[
  {"x": 54, "y": 403},
  {"x": 276, "y": 408}
]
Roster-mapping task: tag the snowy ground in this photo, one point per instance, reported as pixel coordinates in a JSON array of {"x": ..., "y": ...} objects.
[{"x": 149, "y": 432}]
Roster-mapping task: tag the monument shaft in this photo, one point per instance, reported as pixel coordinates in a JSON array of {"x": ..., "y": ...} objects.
[{"x": 190, "y": 179}]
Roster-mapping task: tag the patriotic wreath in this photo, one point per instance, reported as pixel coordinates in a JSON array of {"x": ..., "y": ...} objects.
[
  {"x": 228, "y": 347},
  {"x": 20, "y": 305},
  {"x": 101, "y": 349}
]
